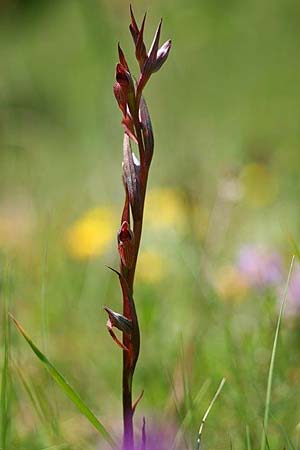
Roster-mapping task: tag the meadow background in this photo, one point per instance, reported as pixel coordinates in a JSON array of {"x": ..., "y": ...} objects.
[{"x": 222, "y": 218}]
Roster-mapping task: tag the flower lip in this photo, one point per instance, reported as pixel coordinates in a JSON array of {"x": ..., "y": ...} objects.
[
  {"x": 125, "y": 234},
  {"x": 122, "y": 76}
]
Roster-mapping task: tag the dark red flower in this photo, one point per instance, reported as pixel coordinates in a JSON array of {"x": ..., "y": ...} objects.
[{"x": 126, "y": 245}]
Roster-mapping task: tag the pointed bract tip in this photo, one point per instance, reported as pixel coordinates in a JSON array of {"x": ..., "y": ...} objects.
[
  {"x": 144, "y": 19},
  {"x": 113, "y": 270},
  {"x": 154, "y": 46},
  {"x": 132, "y": 16}
]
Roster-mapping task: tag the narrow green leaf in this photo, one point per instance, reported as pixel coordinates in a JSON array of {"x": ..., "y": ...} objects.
[
  {"x": 67, "y": 388},
  {"x": 43, "y": 412},
  {"x": 218, "y": 392},
  {"x": 295, "y": 247},
  {"x": 264, "y": 440},
  {"x": 248, "y": 438}
]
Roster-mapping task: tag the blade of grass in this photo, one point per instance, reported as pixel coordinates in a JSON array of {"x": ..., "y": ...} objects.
[
  {"x": 178, "y": 411},
  {"x": 28, "y": 390},
  {"x": 272, "y": 361},
  {"x": 289, "y": 443},
  {"x": 188, "y": 403},
  {"x": 67, "y": 388},
  {"x": 198, "y": 442},
  {"x": 185, "y": 421},
  {"x": 248, "y": 438},
  {"x": 40, "y": 403},
  {"x": 295, "y": 247}
]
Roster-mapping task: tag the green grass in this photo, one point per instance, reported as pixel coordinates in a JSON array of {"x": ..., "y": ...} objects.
[
  {"x": 272, "y": 362},
  {"x": 66, "y": 387}
]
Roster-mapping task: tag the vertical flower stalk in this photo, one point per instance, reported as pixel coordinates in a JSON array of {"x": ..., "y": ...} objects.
[{"x": 135, "y": 169}]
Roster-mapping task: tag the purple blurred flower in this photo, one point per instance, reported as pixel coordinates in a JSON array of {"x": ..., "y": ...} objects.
[
  {"x": 158, "y": 436},
  {"x": 293, "y": 296},
  {"x": 260, "y": 267}
]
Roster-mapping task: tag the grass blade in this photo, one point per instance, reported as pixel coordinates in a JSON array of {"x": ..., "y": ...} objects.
[
  {"x": 272, "y": 361},
  {"x": 40, "y": 402},
  {"x": 198, "y": 442},
  {"x": 295, "y": 247},
  {"x": 248, "y": 438},
  {"x": 67, "y": 388}
]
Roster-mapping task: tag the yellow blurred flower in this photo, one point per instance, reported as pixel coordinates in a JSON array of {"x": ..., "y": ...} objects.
[
  {"x": 151, "y": 267},
  {"x": 259, "y": 185},
  {"x": 165, "y": 208},
  {"x": 91, "y": 235},
  {"x": 231, "y": 285}
]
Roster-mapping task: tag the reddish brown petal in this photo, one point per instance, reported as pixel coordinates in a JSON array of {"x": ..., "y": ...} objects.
[
  {"x": 122, "y": 58},
  {"x": 119, "y": 321},
  {"x": 149, "y": 62},
  {"x": 146, "y": 130},
  {"x": 121, "y": 97},
  {"x": 134, "y": 30},
  {"x": 109, "y": 327},
  {"x": 131, "y": 178},
  {"x": 162, "y": 56},
  {"x": 140, "y": 51},
  {"x": 126, "y": 246},
  {"x": 129, "y": 127},
  {"x": 122, "y": 75},
  {"x": 154, "y": 47},
  {"x": 126, "y": 212}
]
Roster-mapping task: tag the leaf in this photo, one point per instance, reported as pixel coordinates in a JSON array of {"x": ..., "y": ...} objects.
[
  {"x": 130, "y": 172},
  {"x": 264, "y": 440},
  {"x": 66, "y": 387},
  {"x": 147, "y": 130},
  {"x": 198, "y": 442}
]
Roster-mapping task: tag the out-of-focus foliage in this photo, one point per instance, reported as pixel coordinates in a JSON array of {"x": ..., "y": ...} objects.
[{"x": 222, "y": 211}]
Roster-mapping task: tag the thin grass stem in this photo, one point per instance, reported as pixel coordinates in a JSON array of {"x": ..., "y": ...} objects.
[
  {"x": 272, "y": 361},
  {"x": 198, "y": 442},
  {"x": 248, "y": 438}
]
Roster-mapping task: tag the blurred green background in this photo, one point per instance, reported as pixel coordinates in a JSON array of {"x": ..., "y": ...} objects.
[{"x": 226, "y": 115}]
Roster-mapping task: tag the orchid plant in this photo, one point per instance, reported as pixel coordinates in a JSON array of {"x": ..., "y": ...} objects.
[{"x": 137, "y": 130}]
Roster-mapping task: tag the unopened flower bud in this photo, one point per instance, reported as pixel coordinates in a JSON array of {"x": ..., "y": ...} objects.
[
  {"x": 162, "y": 56},
  {"x": 124, "y": 89},
  {"x": 126, "y": 245},
  {"x": 119, "y": 321}
]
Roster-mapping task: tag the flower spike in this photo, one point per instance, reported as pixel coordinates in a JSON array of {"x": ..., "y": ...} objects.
[{"x": 137, "y": 129}]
